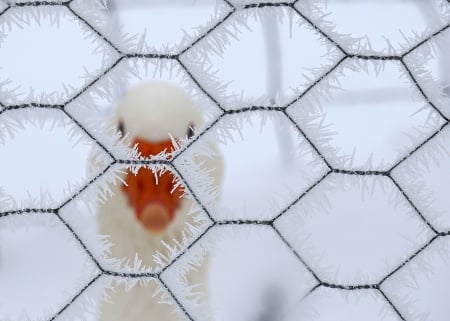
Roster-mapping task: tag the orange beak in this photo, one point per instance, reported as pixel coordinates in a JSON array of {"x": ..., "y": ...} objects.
[{"x": 154, "y": 201}]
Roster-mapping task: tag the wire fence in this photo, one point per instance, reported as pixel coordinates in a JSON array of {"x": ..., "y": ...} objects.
[{"x": 224, "y": 112}]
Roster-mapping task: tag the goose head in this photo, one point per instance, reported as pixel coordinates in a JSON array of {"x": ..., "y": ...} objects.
[{"x": 152, "y": 114}]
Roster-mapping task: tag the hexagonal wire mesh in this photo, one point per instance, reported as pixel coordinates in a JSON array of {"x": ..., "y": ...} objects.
[{"x": 396, "y": 191}]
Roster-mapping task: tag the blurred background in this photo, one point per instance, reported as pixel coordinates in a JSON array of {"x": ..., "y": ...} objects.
[{"x": 367, "y": 115}]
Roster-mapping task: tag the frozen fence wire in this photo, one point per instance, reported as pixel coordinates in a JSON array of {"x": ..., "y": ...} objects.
[{"x": 301, "y": 108}]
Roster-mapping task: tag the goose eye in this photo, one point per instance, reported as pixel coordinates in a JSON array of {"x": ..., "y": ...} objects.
[
  {"x": 121, "y": 128},
  {"x": 190, "y": 131}
]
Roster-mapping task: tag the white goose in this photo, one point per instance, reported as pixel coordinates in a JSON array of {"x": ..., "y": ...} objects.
[{"x": 143, "y": 214}]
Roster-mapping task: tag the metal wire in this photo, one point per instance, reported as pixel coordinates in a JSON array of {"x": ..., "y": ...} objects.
[{"x": 275, "y": 109}]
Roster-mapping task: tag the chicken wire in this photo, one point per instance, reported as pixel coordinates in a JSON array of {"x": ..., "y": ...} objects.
[{"x": 303, "y": 109}]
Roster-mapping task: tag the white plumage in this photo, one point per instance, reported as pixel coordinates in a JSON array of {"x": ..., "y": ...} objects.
[{"x": 149, "y": 112}]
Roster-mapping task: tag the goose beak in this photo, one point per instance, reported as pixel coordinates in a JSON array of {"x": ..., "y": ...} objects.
[{"x": 153, "y": 196}]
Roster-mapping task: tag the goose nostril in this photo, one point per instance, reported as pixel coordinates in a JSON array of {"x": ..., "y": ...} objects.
[{"x": 140, "y": 186}]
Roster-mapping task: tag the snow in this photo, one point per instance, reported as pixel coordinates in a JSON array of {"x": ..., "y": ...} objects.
[{"x": 251, "y": 265}]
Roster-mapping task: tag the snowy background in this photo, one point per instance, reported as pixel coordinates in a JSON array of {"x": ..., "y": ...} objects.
[{"x": 331, "y": 117}]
